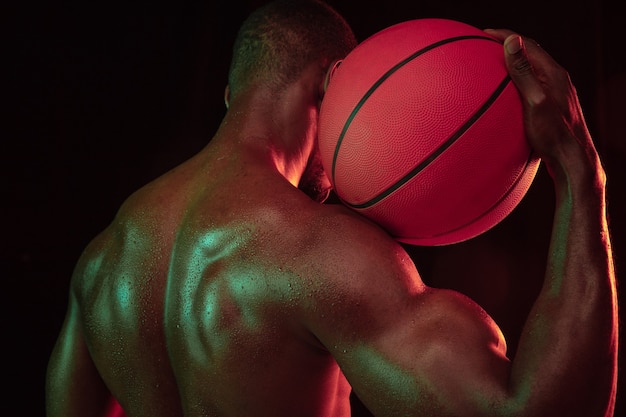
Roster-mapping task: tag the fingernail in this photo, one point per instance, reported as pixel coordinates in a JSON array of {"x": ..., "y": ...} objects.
[{"x": 513, "y": 44}]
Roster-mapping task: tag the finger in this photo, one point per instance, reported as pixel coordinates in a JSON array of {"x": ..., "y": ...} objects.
[
  {"x": 500, "y": 34},
  {"x": 521, "y": 70}
]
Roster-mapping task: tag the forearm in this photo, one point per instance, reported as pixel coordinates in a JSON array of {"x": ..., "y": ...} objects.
[{"x": 566, "y": 362}]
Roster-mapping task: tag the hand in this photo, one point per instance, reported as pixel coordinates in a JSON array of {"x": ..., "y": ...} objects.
[{"x": 555, "y": 125}]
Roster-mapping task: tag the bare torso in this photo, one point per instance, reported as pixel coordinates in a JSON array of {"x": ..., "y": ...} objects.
[
  {"x": 221, "y": 290},
  {"x": 196, "y": 294}
]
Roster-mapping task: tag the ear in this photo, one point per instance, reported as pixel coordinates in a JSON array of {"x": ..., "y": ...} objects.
[
  {"x": 329, "y": 74},
  {"x": 227, "y": 96}
]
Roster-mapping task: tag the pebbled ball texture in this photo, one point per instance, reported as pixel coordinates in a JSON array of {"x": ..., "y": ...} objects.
[{"x": 421, "y": 130}]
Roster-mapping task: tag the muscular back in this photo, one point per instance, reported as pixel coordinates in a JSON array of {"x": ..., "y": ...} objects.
[
  {"x": 119, "y": 285},
  {"x": 222, "y": 290},
  {"x": 195, "y": 295}
]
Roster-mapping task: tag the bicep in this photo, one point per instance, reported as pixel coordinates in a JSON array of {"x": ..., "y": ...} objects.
[
  {"x": 437, "y": 353},
  {"x": 73, "y": 385},
  {"x": 406, "y": 349}
]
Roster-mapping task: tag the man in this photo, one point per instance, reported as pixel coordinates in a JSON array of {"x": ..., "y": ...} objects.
[{"x": 221, "y": 289}]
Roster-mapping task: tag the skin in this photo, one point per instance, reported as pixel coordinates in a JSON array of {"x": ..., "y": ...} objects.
[{"x": 220, "y": 289}]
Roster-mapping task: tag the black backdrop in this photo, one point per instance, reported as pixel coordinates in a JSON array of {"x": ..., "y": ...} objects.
[{"x": 102, "y": 97}]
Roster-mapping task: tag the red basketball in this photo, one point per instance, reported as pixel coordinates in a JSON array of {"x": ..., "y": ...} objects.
[{"x": 421, "y": 130}]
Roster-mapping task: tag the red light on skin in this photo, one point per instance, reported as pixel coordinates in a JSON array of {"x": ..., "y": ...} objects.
[{"x": 115, "y": 409}]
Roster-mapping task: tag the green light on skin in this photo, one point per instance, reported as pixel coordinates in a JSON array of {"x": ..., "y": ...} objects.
[
  {"x": 399, "y": 386},
  {"x": 559, "y": 253},
  {"x": 204, "y": 262},
  {"x": 220, "y": 286},
  {"x": 212, "y": 305},
  {"x": 115, "y": 307},
  {"x": 115, "y": 271},
  {"x": 123, "y": 295},
  {"x": 246, "y": 290}
]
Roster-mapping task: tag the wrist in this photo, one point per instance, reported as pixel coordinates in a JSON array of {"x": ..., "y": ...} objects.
[
  {"x": 576, "y": 166},
  {"x": 582, "y": 182}
]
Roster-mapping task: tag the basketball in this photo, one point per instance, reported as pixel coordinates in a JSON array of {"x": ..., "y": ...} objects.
[{"x": 421, "y": 131}]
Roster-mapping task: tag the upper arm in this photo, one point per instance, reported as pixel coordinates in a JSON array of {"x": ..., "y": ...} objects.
[
  {"x": 73, "y": 385},
  {"x": 439, "y": 355},
  {"x": 407, "y": 349},
  {"x": 454, "y": 353}
]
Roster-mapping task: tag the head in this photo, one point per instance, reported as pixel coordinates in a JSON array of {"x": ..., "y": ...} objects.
[
  {"x": 276, "y": 45},
  {"x": 281, "y": 39}
]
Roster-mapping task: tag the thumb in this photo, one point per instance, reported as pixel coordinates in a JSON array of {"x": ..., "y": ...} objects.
[{"x": 521, "y": 70}]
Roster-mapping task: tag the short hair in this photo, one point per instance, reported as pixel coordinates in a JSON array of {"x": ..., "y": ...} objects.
[{"x": 282, "y": 38}]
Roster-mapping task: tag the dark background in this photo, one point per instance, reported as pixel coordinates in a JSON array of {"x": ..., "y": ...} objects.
[{"x": 103, "y": 97}]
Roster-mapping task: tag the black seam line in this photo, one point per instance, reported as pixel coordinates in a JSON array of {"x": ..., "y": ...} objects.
[
  {"x": 531, "y": 157},
  {"x": 387, "y": 75},
  {"x": 439, "y": 150}
]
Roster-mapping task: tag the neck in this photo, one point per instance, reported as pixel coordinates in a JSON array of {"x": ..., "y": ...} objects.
[{"x": 279, "y": 132}]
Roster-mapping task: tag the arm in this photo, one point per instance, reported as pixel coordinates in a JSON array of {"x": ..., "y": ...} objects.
[
  {"x": 411, "y": 350},
  {"x": 73, "y": 385},
  {"x": 571, "y": 336}
]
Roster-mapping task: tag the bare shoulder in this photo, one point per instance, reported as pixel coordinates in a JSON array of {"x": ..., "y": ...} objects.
[
  {"x": 353, "y": 246},
  {"x": 138, "y": 234},
  {"x": 360, "y": 270},
  {"x": 368, "y": 267}
]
